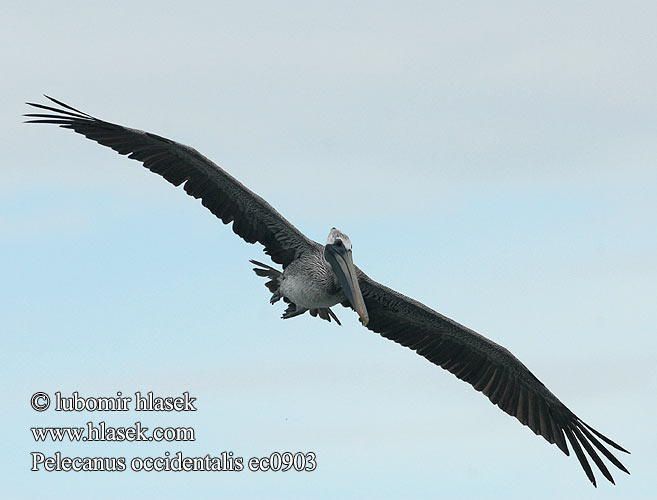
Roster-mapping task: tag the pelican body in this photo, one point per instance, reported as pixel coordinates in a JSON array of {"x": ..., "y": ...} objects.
[
  {"x": 317, "y": 277},
  {"x": 318, "y": 280}
]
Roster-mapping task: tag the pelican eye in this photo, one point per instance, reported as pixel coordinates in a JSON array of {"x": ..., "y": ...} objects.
[{"x": 338, "y": 243}]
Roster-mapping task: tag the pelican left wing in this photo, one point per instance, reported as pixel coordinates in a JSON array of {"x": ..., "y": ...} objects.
[
  {"x": 488, "y": 367},
  {"x": 253, "y": 218}
]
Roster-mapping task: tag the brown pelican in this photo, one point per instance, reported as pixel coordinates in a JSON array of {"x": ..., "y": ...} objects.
[{"x": 316, "y": 277}]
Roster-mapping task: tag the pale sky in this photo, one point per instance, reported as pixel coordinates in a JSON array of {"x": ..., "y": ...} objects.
[{"x": 496, "y": 162}]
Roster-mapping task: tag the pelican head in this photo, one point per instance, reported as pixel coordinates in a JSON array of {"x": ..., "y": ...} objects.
[{"x": 338, "y": 254}]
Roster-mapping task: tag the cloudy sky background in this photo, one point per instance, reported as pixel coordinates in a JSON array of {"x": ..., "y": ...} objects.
[{"x": 496, "y": 162}]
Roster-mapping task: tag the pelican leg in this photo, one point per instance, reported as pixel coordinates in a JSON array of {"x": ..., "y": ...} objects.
[
  {"x": 275, "y": 297},
  {"x": 293, "y": 310}
]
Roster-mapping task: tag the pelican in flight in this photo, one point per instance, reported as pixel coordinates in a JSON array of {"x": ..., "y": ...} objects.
[{"x": 316, "y": 277}]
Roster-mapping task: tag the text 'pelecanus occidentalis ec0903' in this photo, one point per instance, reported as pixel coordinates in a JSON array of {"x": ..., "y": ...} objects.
[{"x": 316, "y": 277}]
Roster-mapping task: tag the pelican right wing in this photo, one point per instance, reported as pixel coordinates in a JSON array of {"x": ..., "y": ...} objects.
[
  {"x": 253, "y": 218},
  {"x": 488, "y": 367}
]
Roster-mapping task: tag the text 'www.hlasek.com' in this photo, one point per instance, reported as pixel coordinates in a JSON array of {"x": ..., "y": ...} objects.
[{"x": 101, "y": 431}]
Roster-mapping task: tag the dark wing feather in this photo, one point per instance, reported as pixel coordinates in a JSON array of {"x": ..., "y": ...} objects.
[
  {"x": 253, "y": 218},
  {"x": 488, "y": 367}
]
